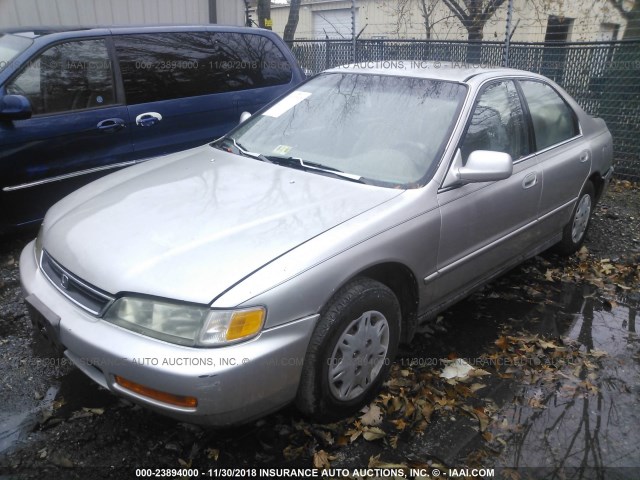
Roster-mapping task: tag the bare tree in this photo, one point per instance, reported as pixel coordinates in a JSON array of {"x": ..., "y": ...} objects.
[
  {"x": 292, "y": 21},
  {"x": 632, "y": 16},
  {"x": 264, "y": 14},
  {"x": 427, "y": 8},
  {"x": 474, "y": 14},
  {"x": 403, "y": 12}
]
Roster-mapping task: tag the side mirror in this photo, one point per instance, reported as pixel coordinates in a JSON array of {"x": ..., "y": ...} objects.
[
  {"x": 15, "y": 107},
  {"x": 244, "y": 116},
  {"x": 486, "y": 166}
]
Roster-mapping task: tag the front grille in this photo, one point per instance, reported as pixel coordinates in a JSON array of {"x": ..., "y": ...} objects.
[{"x": 79, "y": 292}]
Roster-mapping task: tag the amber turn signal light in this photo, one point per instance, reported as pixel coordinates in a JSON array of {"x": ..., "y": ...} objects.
[{"x": 178, "y": 400}]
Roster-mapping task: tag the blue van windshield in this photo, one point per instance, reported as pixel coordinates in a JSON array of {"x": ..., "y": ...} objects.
[{"x": 10, "y": 47}]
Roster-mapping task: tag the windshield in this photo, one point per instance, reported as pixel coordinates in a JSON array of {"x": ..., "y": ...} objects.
[
  {"x": 10, "y": 47},
  {"x": 386, "y": 130}
]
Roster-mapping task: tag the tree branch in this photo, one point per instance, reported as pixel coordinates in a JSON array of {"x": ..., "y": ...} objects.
[
  {"x": 457, "y": 11},
  {"x": 491, "y": 8},
  {"x": 618, "y": 5}
]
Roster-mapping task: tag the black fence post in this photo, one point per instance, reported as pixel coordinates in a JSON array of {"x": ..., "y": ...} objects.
[{"x": 327, "y": 59}]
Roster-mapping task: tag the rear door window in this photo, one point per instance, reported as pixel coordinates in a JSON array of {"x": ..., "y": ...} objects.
[
  {"x": 164, "y": 66},
  {"x": 553, "y": 120}
]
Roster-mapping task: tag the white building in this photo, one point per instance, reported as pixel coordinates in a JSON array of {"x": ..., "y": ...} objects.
[
  {"x": 532, "y": 21},
  {"x": 33, "y": 13}
]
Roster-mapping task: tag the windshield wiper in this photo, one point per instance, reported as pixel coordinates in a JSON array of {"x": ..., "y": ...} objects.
[
  {"x": 243, "y": 151},
  {"x": 287, "y": 161},
  {"x": 315, "y": 166}
]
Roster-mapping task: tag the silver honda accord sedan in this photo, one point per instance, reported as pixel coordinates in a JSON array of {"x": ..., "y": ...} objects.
[{"x": 287, "y": 260}]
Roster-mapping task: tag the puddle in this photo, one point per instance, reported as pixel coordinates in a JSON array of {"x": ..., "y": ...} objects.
[
  {"x": 15, "y": 428},
  {"x": 580, "y": 432},
  {"x": 38, "y": 387}
]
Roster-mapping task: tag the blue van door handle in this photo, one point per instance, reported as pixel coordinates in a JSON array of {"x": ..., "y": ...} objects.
[
  {"x": 111, "y": 125},
  {"x": 148, "y": 119}
]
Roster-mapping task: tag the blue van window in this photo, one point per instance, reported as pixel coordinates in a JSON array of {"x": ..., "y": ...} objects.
[
  {"x": 163, "y": 66},
  {"x": 66, "y": 77}
]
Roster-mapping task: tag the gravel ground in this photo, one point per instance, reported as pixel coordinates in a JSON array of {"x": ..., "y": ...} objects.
[{"x": 615, "y": 227}]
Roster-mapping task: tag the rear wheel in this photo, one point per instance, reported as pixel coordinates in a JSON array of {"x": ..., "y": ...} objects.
[
  {"x": 575, "y": 231},
  {"x": 351, "y": 350}
]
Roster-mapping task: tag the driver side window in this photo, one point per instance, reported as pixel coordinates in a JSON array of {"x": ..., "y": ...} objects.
[
  {"x": 66, "y": 77},
  {"x": 497, "y": 123}
]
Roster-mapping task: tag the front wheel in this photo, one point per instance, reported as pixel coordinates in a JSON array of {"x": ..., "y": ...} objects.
[
  {"x": 351, "y": 350},
  {"x": 575, "y": 231}
]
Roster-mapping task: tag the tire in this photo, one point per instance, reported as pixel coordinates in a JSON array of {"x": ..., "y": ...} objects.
[
  {"x": 350, "y": 352},
  {"x": 575, "y": 231}
]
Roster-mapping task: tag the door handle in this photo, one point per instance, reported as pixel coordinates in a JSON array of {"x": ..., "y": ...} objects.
[
  {"x": 148, "y": 119},
  {"x": 584, "y": 156},
  {"x": 111, "y": 125},
  {"x": 530, "y": 180}
]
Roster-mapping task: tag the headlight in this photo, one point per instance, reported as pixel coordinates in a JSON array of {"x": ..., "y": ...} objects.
[{"x": 188, "y": 325}]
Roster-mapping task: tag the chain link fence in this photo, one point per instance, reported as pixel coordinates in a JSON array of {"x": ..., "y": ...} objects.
[{"x": 603, "y": 77}]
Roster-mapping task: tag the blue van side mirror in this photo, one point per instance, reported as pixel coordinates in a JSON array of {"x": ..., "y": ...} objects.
[{"x": 15, "y": 107}]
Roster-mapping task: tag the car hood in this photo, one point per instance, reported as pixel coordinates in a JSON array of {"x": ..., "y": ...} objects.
[{"x": 189, "y": 227}]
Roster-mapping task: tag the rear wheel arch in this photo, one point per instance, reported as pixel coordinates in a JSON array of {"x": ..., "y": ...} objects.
[
  {"x": 574, "y": 232},
  {"x": 598, "y": 185}
]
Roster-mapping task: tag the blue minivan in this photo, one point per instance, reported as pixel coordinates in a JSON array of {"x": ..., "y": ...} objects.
[{"x": 78, "y": 103}]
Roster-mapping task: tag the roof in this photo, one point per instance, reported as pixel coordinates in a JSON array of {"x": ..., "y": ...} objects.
[
  {"x": 432, "y": 69},
  {"x": 34, "y": 32}
]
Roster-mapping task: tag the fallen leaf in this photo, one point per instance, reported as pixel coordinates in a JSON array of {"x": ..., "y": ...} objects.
[
  {"x": 426, "y": 411},
  {"x": 394, "y": 405},
  {"x": 373, "y": 433},
  {"x": 457, "y": 369},
  {"x": 212, "y": 453},
  {"x": 479, "y": 415},
  {"x": 324, "y": 436},
  {"x": 290, "y": 452},
  {"x": 353, "y": 434},
  {"x": 476, "y": 386},
  {"x": 375, "y": 462},
  {"x": 321, "y": 460},
  {"x": 502, "y": 343},
  {"x": 598, "y": 353},
  {"x": 400, "y": 424},
  {"x": 372, "y": 416}
]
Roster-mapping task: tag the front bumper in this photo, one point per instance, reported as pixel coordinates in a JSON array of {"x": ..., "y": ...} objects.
[{"x": 233, "y": 384}]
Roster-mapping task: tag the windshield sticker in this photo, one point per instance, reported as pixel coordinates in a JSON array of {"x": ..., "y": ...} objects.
[
  {"x": 287, "y": 103},
  {"x": 282, "y": 149}
]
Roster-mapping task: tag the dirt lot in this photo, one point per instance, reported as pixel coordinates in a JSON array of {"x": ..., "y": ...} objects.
[{"x": 552, "y": 390}]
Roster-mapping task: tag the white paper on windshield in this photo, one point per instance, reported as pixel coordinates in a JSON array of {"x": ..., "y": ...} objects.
[{"x": 287, "y": 103}]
